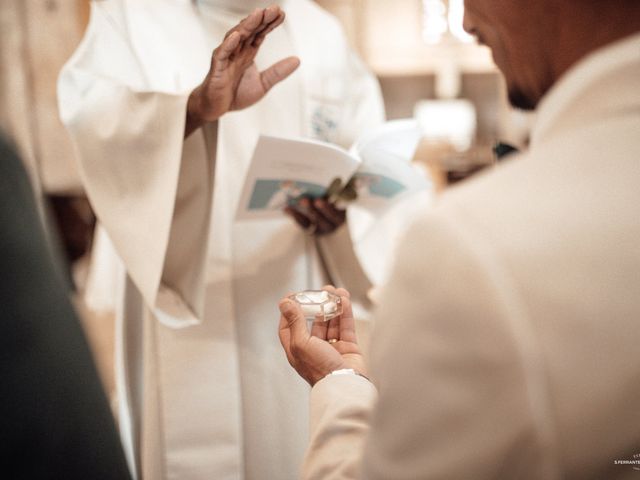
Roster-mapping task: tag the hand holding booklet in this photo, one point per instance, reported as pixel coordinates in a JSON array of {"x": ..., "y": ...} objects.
[{"x": 375, "y": 173}]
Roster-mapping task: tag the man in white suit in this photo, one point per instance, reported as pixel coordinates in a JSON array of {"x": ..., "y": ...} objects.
[
  {"x": 506, "y": 342},
  {"x": 203, "y": 391}
]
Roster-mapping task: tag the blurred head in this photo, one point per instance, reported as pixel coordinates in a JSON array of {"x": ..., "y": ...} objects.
[{"x": 534, "y": 42}]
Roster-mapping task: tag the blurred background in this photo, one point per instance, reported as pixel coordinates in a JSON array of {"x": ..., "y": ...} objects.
[{"x": 427, "y": 66}]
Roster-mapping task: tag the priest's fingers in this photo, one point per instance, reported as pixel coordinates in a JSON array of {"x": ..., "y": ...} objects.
[
  {"x": 306, "y": 216},
  {"x": 300, "y": 219},
  {"x": 249, "y": 24},
  {"x": 221, "y": 54},
  {"x": 295, "y": 321},
  {"x": 305, "y": 206},
  {"x": 347, "y": 324},
  {"x": 256, "y": 26},
  {"x": 332, "y": 214},
  {"x": 278, "y": 72},
  {"x": 259, "y": 37},
  {"x": 272, "y": 18}
]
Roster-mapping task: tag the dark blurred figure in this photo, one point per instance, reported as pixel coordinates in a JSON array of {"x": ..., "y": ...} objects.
[
  {"x": 55, "y": 420},
  {"x": 75, "y": 223}
]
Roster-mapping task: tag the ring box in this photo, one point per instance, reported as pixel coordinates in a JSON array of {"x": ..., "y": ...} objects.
[{"x": 318, "y": 303}]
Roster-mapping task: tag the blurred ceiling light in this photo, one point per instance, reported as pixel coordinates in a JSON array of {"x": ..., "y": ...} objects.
[
  {"x": 442, "y": 19},
  {"x": 456, "y": 16},
  {"x": 450, "y": 121},
  {"x": 434, "y": 21}
]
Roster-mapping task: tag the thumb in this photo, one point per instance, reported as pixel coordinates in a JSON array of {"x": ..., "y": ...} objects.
[
  {"x": 294, "y": 317},
  {"x": 278, "y": 72}
]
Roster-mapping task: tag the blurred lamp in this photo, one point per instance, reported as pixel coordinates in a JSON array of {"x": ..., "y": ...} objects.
[
  {"x": 442, "y": 20},
  {"x": 450, "y": 121}
]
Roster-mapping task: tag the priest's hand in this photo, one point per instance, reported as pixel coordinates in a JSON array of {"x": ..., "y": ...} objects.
[
  {"x": 329, "y": 346},
  {"x": 316, "y": 216},
  {"x": 233, "y": 81}
]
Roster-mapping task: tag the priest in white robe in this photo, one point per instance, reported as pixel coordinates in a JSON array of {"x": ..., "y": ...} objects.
[{"x": 202, "y": 386}]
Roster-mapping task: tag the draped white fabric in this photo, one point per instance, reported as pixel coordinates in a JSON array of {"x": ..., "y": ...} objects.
[{"x": 204, "y": 390}]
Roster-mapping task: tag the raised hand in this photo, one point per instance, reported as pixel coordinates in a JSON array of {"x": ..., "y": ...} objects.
[
  {"x": 233, "y": 81},
  {"x": 327, "y": 347}
]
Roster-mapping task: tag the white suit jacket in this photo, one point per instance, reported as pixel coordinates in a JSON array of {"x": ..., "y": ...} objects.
[{"x": 507, "y": 341}]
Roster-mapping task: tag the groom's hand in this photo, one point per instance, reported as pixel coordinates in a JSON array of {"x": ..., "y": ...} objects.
[{"x": 326, "y": 347}]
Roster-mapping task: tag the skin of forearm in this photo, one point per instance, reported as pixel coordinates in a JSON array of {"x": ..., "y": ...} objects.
[{"x": 194, "y": 118}]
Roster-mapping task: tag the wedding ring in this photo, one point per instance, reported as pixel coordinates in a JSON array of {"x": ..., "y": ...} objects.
[{"x": 332, "y": 340}]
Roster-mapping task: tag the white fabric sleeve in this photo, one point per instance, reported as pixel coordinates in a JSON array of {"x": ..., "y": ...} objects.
[
  {"x": 150, "y": 189},
  {"x": 340, "y": 408}
]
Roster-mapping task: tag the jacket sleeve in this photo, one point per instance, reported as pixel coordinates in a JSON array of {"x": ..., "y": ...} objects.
[
  {"x": 150, "y": 189},
  {"x": 340, "y": 411}
]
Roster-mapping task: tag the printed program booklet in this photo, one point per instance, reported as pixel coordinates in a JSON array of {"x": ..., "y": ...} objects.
[{"x": 375, "y": 173}]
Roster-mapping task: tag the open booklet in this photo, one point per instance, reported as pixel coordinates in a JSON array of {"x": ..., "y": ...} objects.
[{"x": 375, "y": 173}]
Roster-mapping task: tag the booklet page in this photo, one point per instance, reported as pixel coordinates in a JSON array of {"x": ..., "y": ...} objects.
[
  {"x": 284, "y": 169},
  {"x": 386, "y": 174}
]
